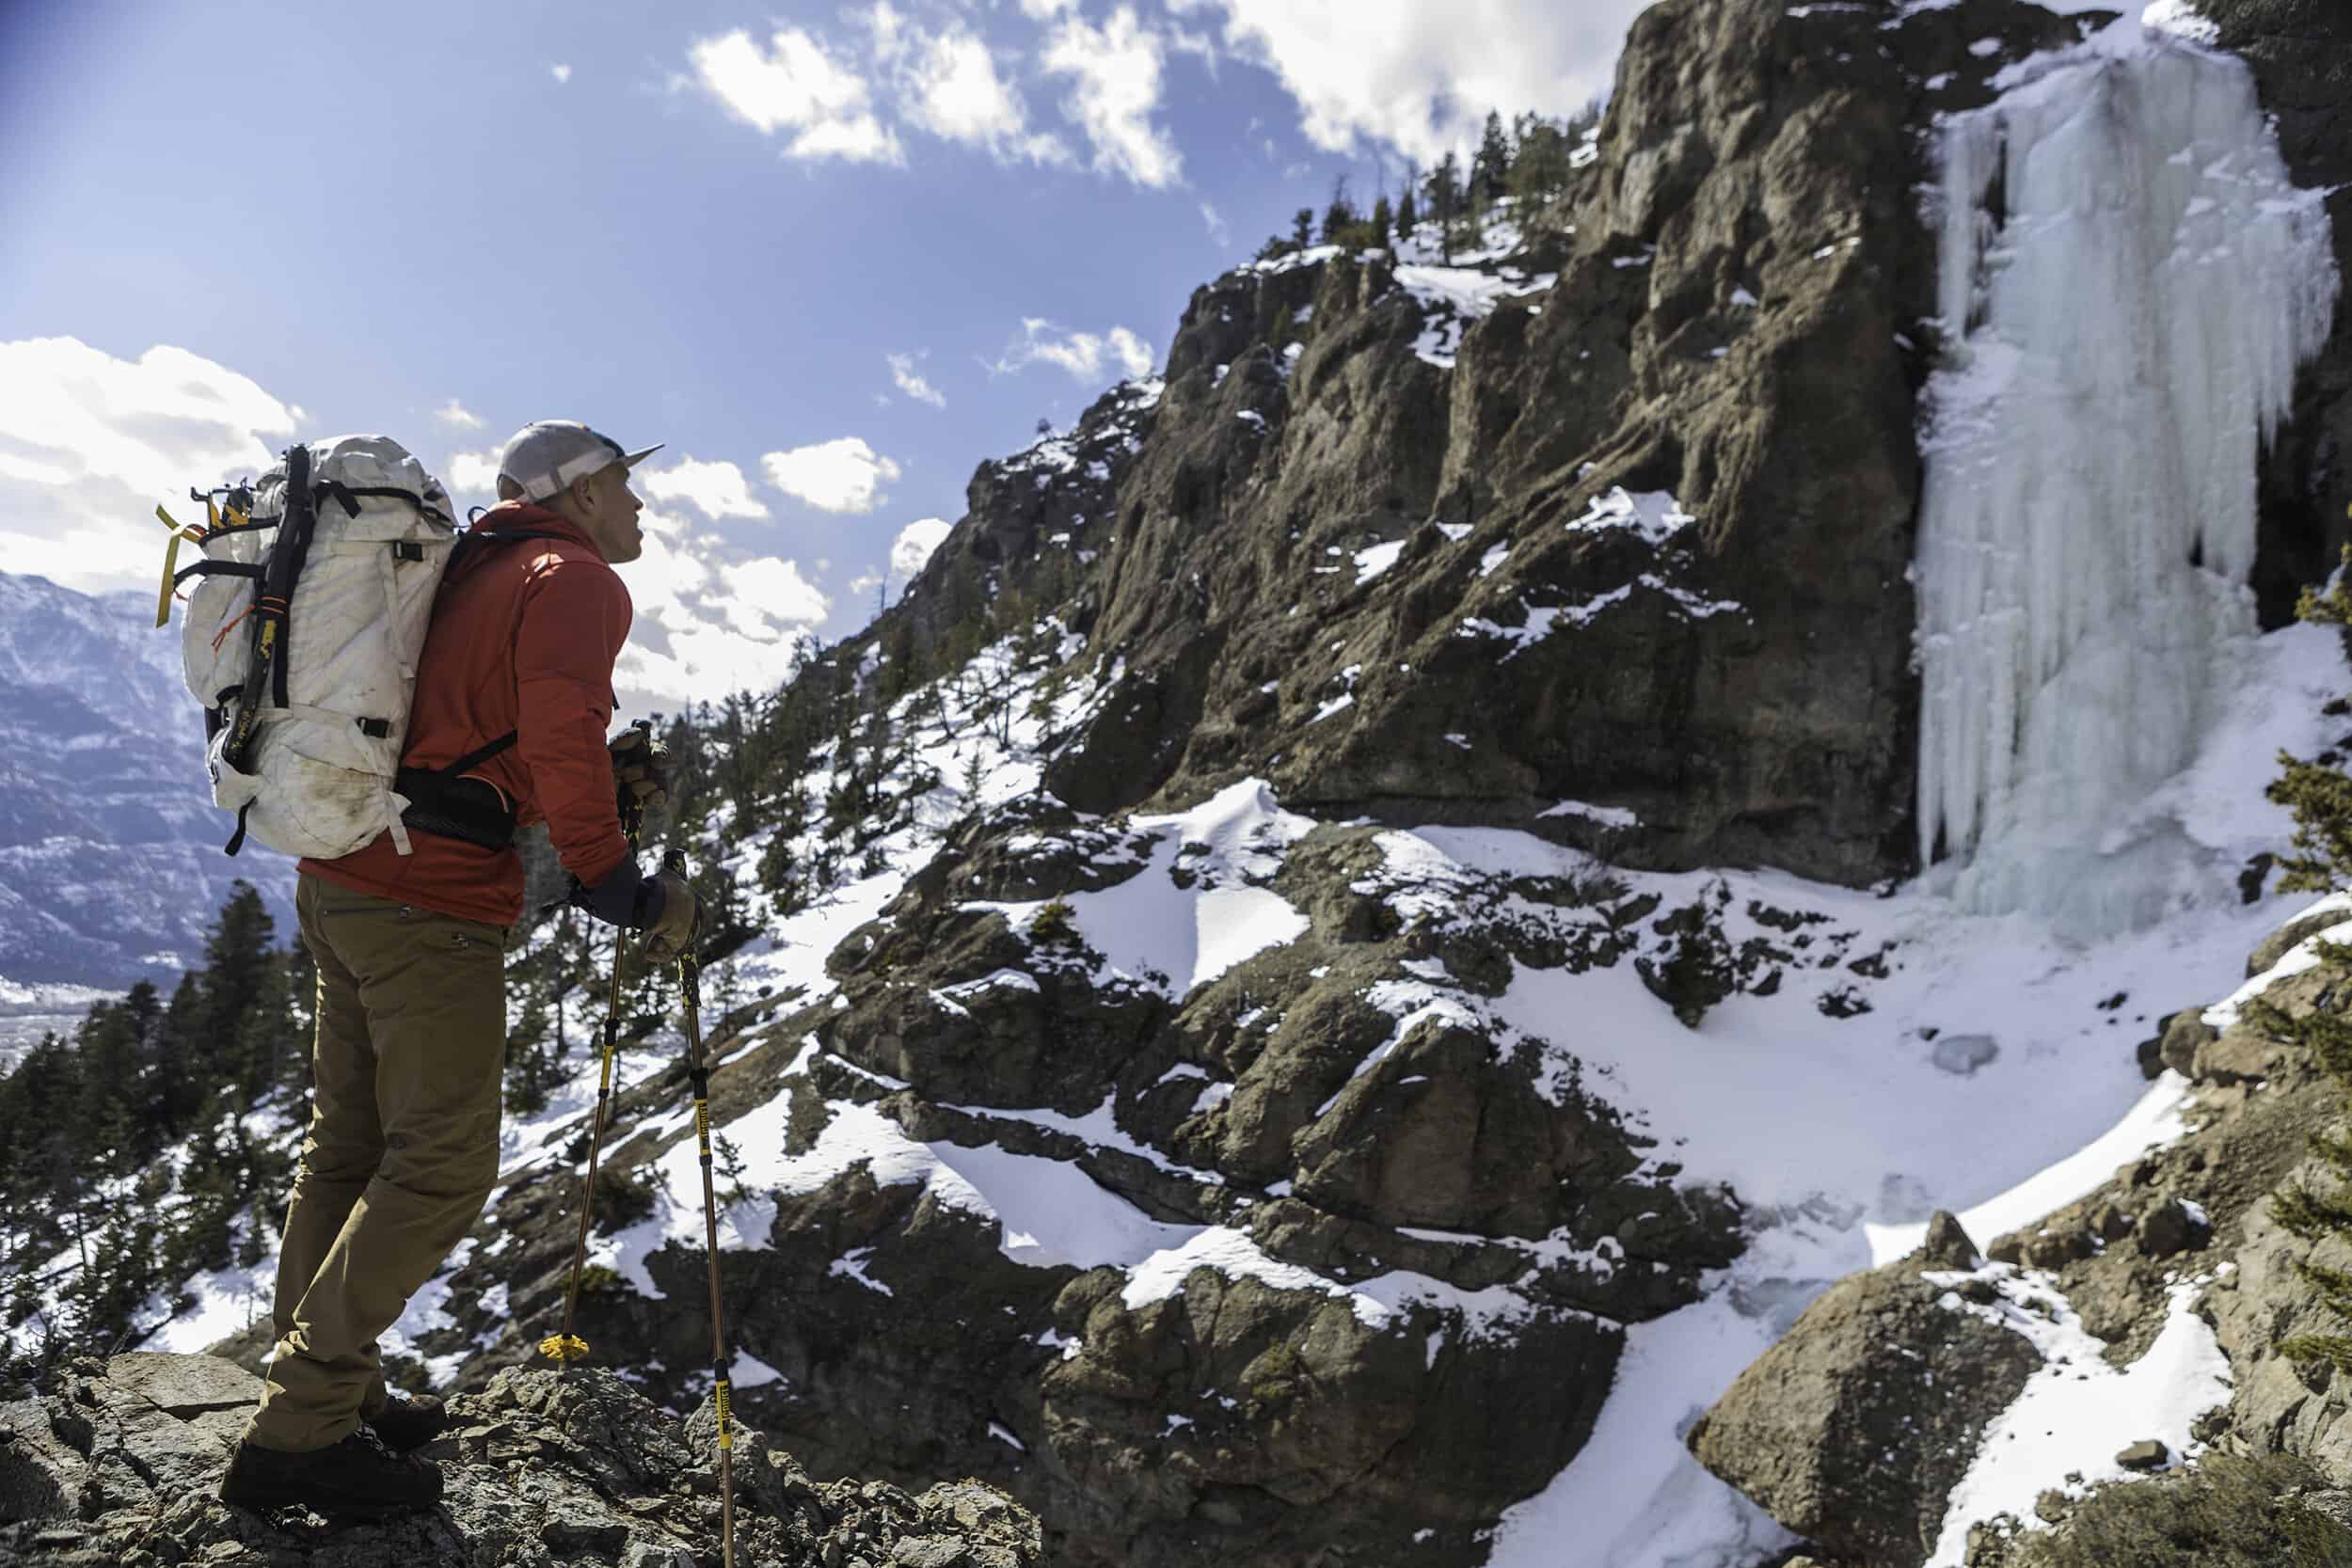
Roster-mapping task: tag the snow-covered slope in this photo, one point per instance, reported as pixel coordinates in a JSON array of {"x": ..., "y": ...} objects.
[{"x": 110, "y": 861}]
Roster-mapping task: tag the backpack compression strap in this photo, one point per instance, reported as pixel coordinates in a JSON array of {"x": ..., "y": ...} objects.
[
  {"x": 442, "y": 800},
  {"x": 350, "y": 494}
]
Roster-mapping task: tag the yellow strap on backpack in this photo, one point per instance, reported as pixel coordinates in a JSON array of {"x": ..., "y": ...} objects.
[{"x": 172, "y": 561}]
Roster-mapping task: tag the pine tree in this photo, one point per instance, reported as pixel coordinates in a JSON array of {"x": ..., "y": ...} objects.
[
  {"x": 1383, "y": 220},
  {"x": 1491, "y": 167},
  {"x": 1339, "y": 217},
  {"x": 1406, "y": 219},
  {"x": 180, "y": 1081},
  {"x": 1444, "y": 191},
  {"x": 1303, "y": 229},
  {"x": 236, "y": 972},
  {"x": 111, "y": 1112},
  {"x": 81, "y": 1126},
  {"x": 1539, "y": 165}
]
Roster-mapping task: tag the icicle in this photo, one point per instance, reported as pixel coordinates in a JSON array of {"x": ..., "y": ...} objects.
[{"x": 2129, "y": 281}]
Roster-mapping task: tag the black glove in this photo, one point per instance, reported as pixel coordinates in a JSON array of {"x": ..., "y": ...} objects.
[
  {"x": 627, "y": 898},
  {"x": 641, "y": 770}
]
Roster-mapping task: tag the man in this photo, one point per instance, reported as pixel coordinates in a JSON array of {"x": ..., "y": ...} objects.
[{"x": 513, "y": 697}]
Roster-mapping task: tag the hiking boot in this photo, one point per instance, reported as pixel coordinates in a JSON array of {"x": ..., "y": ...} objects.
[
  {"x": 406, "y": 1424},
  {"x": 353, "y": 1479}
]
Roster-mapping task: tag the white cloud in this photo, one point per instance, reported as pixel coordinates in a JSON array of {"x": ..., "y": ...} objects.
[
  {"x": 1421, "y": 78},
  {"x": 794, "y": 85},
  {"x": 561, "y": 72},
  {"x": 769, "y": 595},
  {"x": 909, "y": 381},
  {"x": 1082, "y": 354},
  {"x": 701, "y": 630},
  {"x": 1044, "y": 10},
  {"x": 844, "y": 475},
  {"x": 1115, "y": 84},
  {"x": 472, "y": 473},
  {"x": 458, "y": 416},
  {"x": 862, "y": 140},
  {"x": 90, "y": 443},
  {"x": 1221, "y": 233},
  {"x": 718, "y": 489},
  {"x": 952, "y": 90},
  {"x": 913, "y": 546}
]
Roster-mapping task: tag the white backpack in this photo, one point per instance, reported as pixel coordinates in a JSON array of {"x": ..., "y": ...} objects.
[{"x": 301, "y": 640}]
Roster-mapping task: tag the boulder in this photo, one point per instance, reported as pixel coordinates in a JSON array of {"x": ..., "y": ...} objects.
[
  {"x": 2239, "y": 1056},
  {"x": 1948, "y": 1245},
  {"x": 1242, "y": 1422},
  {"x": 2185, "y": 1033},
  {"x": 1853, "y": 1429},
  {"x": 2173, "y": 1226}
]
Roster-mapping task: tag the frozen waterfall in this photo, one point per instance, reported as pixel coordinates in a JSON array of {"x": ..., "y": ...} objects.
[{"x": 2129, "y": 280}]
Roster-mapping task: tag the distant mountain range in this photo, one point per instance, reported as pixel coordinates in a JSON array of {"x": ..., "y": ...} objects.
[{"x": 110, "y": 861}]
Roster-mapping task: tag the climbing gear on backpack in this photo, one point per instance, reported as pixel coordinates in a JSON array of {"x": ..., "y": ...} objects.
[
  {"x": 302, "y": 641},
  {"x": 305, "y": 712},
  {"x": 171, "y": 553},
  {"x": 690, "y": 983},
  {"x": 564, "y": 1347}
]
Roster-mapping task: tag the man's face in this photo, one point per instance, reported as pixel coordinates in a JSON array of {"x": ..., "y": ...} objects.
[{"x": 609, "y": 513}]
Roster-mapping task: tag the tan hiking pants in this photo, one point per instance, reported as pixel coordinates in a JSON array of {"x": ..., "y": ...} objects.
[{"x": 409, "y": 1062}]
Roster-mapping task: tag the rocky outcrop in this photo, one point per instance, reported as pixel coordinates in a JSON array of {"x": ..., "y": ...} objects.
[
  {"x": 1252, "y": 1408},
  {"x": 541, "y": 1468},
  {"x": 1853, "y": 1429}
]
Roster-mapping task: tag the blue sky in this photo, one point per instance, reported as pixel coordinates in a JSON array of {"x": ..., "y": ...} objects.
[{"x": 833, "y": 255}]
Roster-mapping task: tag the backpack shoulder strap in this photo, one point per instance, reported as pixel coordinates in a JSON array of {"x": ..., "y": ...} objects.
[
  {"x": 438, "y": 804},
  {"x": 476, "y": 758}
]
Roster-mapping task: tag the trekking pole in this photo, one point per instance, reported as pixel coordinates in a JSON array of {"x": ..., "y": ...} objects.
[
  {"x": 564, "y": 1348},
  {"x": 689, "y": 982}
]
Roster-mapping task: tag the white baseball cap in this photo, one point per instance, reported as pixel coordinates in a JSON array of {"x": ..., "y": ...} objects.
[{"x": 548, "y": 454}]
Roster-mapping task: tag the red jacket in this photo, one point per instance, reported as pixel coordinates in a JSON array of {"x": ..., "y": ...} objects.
[{"x": 523, "y": 638}]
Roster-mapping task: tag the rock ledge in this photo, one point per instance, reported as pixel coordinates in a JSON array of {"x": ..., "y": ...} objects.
[{"x": 543, "y": 1470}]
